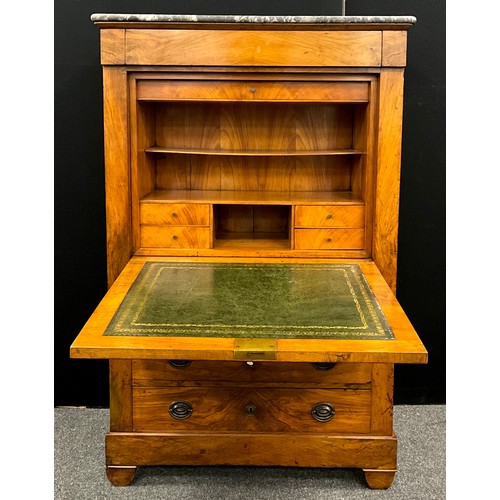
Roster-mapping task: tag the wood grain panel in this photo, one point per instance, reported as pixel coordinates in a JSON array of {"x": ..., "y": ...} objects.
[
  {"x": 112, "y": 46},
  {"x": 296, "y": 450},
  {"x": 325, "y": 239},
  {"x": 330, "y": 216},
  {"x": 394, "y": 48},
  {"x": 175, "y": 236},
  {"x": 117, "y": 171},
  {"x": 385, "y": 237},
  {"x": 175, "y": 214},
  {"x": 120, "y": 395},
  {"x": 165, "y": 90},
  {"x": 277, "y": 409},
  {"x": 382, "y": 398},
  {"x": 162, "y": 373},
  {"x": 253, "y": 48}
]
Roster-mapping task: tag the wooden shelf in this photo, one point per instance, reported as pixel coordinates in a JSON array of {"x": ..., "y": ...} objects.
[
  {"x": 249, "y": 152},
  {"x": 253, "y": 197}
]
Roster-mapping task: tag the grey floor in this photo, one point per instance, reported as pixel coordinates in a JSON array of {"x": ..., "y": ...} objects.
[{"x": 79, "y": 472}]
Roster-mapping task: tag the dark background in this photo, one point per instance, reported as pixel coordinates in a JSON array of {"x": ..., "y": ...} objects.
[{"x": 79, "y": 198}]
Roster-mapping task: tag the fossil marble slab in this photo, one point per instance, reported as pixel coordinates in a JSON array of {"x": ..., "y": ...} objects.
[{"x": 192, "y": 18}]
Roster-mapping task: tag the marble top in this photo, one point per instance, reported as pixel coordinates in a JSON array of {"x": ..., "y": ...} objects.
[{"x": 191, "y": 18}]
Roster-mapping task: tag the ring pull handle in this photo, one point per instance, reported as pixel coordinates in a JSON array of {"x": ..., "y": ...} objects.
[
  {"x": 179, "y": 363},
  {"x": 323, "y": 367},
  {"x": 323, "y": 412},
  {"x": 180, "y": 410}
]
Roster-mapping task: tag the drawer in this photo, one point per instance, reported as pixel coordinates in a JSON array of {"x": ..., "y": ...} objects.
[
  {"x": 329, "y": 239},
  {"x": 250, "y": 409},
  {"x": 302, "y": 47},
  {"x": 175, "y": 237},
  {"x": 192, "y": 373},
  {"x": 165, "y": 90},
  {"x": 310, "y": 216},
  {"x": 177, "y": 214}
]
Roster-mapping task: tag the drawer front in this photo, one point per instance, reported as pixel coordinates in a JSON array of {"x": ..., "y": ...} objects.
[
  {"x": 330, "y": 216},
  {"x": 177, "y": 214},
  {"x": 164, "y": 90},
  {"x": 163, "y": 373},
  {"x": 249, "y": 409},
  {"x": 256, "y": 48},
  {"x": 175, "y": 237},
  {"x": 329, "y": 239}
]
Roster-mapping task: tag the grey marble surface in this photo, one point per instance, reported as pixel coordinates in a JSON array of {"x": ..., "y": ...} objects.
[{"x": 191, "y": 18}]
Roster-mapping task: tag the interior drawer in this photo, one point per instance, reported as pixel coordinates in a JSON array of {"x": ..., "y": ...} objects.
[
  {"x": 349, "y": 216},
  {"x": 175, "y": 237},
  {"x": 325, "y": 239},
  {"x": 178, "y": 214},
  {"x": 189, "y": 373},
  {"x": 250, "y": 409}
]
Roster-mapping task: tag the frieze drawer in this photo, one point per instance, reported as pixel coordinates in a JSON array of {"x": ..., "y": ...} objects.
[
  {"x": 249, "y": 409},
  {"x": 184, "y": 372}
]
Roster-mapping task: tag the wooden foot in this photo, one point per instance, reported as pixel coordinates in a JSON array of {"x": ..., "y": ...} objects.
[
  {"x": 379, "y": 479},
  {"x": 120, "y": 476}
]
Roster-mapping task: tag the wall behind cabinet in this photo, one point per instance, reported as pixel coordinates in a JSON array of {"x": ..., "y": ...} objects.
[{"x": 80, "y": 239}]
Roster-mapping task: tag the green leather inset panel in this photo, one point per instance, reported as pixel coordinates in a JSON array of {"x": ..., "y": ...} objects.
[{"x": 321, "y": 301}]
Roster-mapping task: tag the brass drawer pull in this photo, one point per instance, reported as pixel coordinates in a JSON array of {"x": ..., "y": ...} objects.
[
  {"x": 329, "y": 216},
  {"x": 179, "y": 363},
  {"x": 329, "y": 240},
  {"x": 174, "y": 237},
  {"x": 174, "y": 214},
  {"x": 180, "y": 410},
  {"x": 323, "y": 412},
  {"x": 251, "y": 409},
  {"x": 323, "y": 366}
]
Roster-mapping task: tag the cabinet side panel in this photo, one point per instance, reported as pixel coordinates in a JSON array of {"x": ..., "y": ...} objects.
[
  {"x": 385, "y": 238},
  {"x": 382, "y": 398},
  {"x": 120, "y": 395},
  {"x": 117, "y": 181}
]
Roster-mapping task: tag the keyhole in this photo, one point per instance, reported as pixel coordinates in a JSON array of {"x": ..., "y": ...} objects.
[{"x": 250, "y": 409}]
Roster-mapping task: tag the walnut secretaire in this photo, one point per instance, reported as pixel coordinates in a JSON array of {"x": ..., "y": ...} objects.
[{"x": 252, "y": 192}]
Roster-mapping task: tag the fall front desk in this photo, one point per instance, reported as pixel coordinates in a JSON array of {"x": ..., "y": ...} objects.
[
  {"x": 251, "y": 364},
  {"x": 252, "y": 194}
]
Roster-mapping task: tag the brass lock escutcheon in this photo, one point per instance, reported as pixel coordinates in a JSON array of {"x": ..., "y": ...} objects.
[
  {"x": 323, "y": 412},
  {"x": 180, "y": 410},
  {"x": 250, "y": 409}
]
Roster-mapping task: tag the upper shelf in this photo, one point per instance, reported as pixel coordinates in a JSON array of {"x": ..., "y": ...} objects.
[
  {"x": 253, "y": 152},
  {"x": 249, "y": 19}
]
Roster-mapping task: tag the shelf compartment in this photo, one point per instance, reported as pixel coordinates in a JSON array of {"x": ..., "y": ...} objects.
[
  {"x": 253, "y": 197},
  {"x": 247, "y": 152}
]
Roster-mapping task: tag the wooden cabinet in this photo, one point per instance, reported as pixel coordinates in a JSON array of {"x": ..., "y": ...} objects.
[{"x": 230, "y": 146}]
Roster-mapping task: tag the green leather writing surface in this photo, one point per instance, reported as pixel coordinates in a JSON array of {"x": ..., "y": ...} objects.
[{"x": 320, "y": 301}]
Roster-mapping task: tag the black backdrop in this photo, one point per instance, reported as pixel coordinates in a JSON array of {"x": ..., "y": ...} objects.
[{"x": 79, "y": 218}]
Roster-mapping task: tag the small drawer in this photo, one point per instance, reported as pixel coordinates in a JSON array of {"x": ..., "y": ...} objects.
[
  {"x": 176, "y": 214},
  {"x": 249, "y": 409},
  {"x": 175, "y": 237},
  {"x": 329, "y": 239},
  {"x": 348, "y": 216},
  {"x": 190, "y": 373},
  {"x": 164, "y": 90}
]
